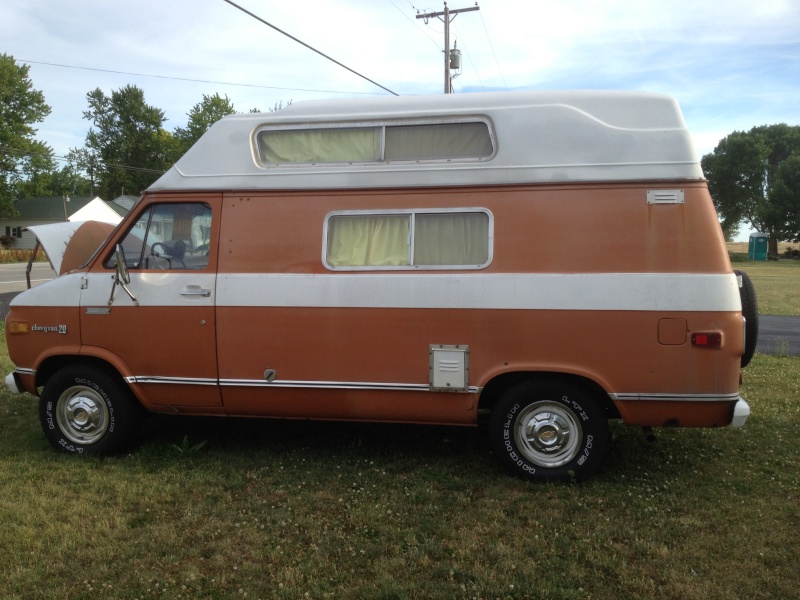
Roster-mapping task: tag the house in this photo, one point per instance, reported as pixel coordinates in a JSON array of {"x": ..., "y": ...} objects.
[{"x": 57, "y": 209}]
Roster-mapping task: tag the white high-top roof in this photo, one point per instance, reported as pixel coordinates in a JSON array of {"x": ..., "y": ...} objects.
[{"x": 538, "y": 137}]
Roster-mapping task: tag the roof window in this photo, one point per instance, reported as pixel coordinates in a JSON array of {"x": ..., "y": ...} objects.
[{"x": 376, "y": 143}]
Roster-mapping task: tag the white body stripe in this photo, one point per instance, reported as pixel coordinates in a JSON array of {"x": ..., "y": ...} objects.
[
  {"x": 613, "y": 291},
  {"x": 605, "y": 292}
]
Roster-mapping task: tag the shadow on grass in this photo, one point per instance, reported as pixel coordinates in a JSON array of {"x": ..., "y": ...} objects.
[
  {"x": 400, "y": 447},
  {"x": 234, "y": 436}
]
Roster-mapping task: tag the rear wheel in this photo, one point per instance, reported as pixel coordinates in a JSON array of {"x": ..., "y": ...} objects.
[
  {"x": 549, "y": 431},
  {"x": 85, "y": 410}
]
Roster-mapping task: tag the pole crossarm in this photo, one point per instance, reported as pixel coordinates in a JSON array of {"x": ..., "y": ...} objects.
[{"x": 450, "y": 12}]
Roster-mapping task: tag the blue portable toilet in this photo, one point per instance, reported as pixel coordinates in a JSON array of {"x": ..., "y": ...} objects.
[{"x": 757, "y": 248}]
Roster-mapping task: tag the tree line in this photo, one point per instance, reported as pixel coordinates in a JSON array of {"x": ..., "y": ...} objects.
[
  {"x": 753, "y": 176},
  {"x": 126, "y": 149}
]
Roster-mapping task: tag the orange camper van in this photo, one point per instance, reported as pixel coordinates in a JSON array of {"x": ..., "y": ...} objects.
[{"x": 549, "y": 259}]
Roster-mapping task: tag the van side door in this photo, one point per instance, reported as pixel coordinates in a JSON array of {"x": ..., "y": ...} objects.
[{"x": 160, "y": 328}]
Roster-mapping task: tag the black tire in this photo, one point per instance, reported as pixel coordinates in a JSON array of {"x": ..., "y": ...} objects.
[
  {"x": 747, "y": 292},
  {"x": 549, "y": 430},
  {"x": 84, "y": 410}
]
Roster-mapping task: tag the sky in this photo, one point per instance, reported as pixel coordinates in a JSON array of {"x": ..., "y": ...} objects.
[{"x": 731, "y": 64}]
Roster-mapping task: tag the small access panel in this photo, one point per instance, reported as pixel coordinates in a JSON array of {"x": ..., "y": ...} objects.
[{"x": 449, "y": 368}]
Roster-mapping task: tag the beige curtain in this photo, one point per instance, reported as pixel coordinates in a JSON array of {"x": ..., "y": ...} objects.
[
  {"x": 445, "y": 141},
  {"x": 441, "y": 140},
  {"x": 440, "y": 239},
  {"x": 368, "y": 240},
  {"x": 451, "y": 239},
  {"x": 321, "y": 145}
]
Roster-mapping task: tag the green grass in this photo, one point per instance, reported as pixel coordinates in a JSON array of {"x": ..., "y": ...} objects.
[
  {"x": 281, "y": 509},
  {"x": 777, "y": 285},
  {"x": 229, "y": 508}
]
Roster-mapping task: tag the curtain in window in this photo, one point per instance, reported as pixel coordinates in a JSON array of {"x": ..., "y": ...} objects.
[
  {"x": 451, "y": 239},
  {"x": 445, "y": 141},
  {"x": 368, "y": 240},
  {"x": 321, "y": 145}
]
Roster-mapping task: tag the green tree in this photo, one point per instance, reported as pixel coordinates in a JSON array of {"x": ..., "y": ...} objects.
[
  {"x": 202, "y": 116},
  {"x": 70, "y": 182},
  {"x": 750, "y": 179},
  {"x": 21, "y": 156},
  {"x": 81, "y": 171},
  {"x": 785, "y": 195},
  {"x": 127, "y": 138},
  {"x": 36, "y": 172}
]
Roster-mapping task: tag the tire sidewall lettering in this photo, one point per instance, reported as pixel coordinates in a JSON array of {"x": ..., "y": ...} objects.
[
  {"x": 106, "y": 399},
  {"x": 587, "y": 415}
]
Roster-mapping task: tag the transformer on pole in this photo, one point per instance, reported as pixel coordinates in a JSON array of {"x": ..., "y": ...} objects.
[{"x": 451, "y": 56}]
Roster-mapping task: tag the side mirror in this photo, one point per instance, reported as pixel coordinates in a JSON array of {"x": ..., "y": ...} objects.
[
  {"x": 121, "y": 278},
  {"x": 122, "y": 266}
]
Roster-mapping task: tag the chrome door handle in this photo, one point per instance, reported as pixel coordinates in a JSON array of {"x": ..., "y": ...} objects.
[{"x": 195, "y": 290}]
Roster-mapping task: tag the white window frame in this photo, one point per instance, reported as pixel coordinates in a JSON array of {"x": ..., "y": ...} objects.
[
  {"x": 412, "y": 212},
  {"x": 373, "y": 124}
]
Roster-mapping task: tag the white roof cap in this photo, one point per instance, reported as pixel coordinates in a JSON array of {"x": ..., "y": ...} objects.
[{"x": 573, "y": 136}]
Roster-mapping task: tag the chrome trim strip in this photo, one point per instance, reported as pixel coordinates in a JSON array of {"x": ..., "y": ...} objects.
[
  {"x": 627, "y": 397},
  {"x": 322, "y": 385},
  {"x": 342, "y": 385},
  {"x": 171, "y": 380},
  {"x": 24, "y": 371}
]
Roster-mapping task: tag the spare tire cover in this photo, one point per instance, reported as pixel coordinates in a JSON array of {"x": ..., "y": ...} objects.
[{"x": 750, "y": 312}]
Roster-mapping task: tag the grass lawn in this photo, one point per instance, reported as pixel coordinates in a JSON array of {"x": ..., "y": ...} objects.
[
  {"x": 777, "y": 285},
  {"x": 280, "y": 509},
  {"x": 233, "y": 508}
]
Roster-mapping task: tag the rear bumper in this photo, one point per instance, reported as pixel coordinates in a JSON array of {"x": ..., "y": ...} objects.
[
  {"x": 685, "y": 410},
  {"x": 741, "y": 411}
]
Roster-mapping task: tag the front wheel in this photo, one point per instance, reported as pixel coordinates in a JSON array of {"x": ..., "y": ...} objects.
[
  {"x": 85, "y": 410},
  {"x": 549, "y": 431}
]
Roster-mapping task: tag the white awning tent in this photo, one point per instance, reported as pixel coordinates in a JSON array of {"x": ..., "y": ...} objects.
[
  {"x": 59, "y": 240},
  {"x": 95, "y": 220},
  {"x": 96, "y": 210}
]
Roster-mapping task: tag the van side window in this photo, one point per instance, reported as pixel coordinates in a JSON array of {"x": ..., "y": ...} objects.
[
  {"x": 446, "y": 239},
  {"x": 381, "y": 143},
  {"x": 168, "y": 237}
]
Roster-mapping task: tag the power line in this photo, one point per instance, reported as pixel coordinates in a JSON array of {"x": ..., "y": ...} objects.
[
  {"x": 291, "y": 37},
  {"x": 413, "y": 22},
  {"x": 493, "y": 52},
  {"x": 269, "y": 87},
  {"x": 18, "y": 153},
  {"x": 465, "y": 48}
]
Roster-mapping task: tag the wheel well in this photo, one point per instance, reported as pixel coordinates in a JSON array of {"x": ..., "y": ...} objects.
[
  {"x": 55, "y": 363},
  {"x": 502, "y": 383}
]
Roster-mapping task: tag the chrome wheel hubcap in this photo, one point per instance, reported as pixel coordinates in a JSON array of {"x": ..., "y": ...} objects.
[
  {"x": 548, "y": 434},
  {"x": 82, "y": 415}
]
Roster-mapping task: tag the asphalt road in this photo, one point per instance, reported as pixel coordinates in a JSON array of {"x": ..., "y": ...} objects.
[
  {"x": 776, "y": 335},
  {"x": 13, "y": 276}
]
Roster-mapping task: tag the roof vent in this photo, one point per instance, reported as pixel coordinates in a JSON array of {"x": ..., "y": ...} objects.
[{"x": 665, "y": 196}]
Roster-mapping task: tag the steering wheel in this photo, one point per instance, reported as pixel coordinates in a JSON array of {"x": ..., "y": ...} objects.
[{"x": 165, "y": 254}]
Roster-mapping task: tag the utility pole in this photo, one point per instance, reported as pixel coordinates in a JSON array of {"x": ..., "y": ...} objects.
[{"x": 445, "y": 17}]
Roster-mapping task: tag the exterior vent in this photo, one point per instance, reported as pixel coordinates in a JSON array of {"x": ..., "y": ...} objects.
[
  {"x": 449, "y": 368},
  {"x": 665, "y": 196}
]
